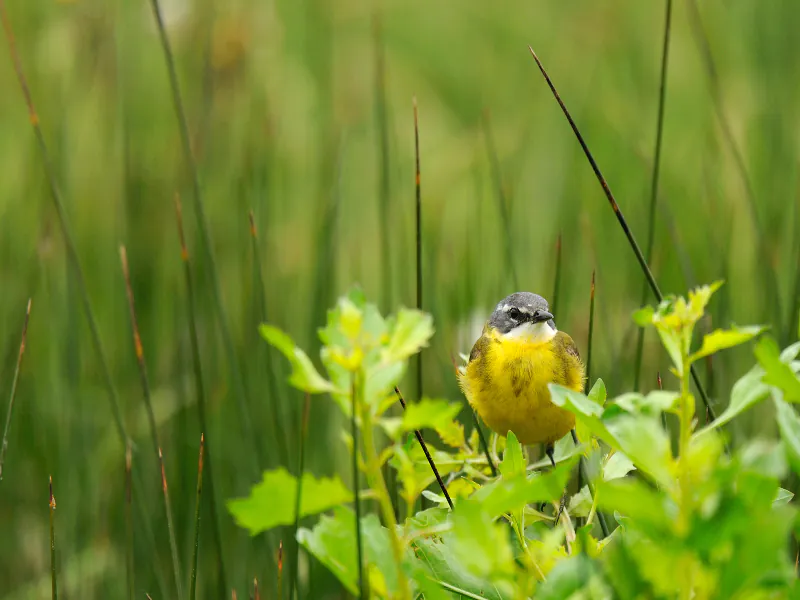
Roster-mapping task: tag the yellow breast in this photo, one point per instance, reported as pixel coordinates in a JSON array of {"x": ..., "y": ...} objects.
[{"x": 507, "y": 385}]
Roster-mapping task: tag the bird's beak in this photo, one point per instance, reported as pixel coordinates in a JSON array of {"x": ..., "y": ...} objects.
[{"x": 542, "y": 316}]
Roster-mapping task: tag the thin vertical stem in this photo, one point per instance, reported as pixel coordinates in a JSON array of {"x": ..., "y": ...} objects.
[
  {"x": 200, "y": 392},
  {"x": 618, "y": 213},
  {"x": 591, "y": 333},
  {"x": 196, "y": 548},
  {"x": 554, "y": 304},
  {"x": 502, "y": 201},
  {"x": 139, "y": 350},
  {"x": 129, "y": 550},
  {"x": 227, "y": 339},
  {"x": 354, "y": 432},
  {"x": 418, "y": 232},
  {"x": 384, "y": 190},
  {"x": 14, "y": 382},
  {"x": 651, "y": 222},
  {"x": 280, "y": 570},
  {"x": 53, "y": 582},
  {"x": 302, "y": 433}
]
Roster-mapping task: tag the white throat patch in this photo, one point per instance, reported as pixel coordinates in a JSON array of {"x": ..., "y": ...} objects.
[{"x": 532, "y": 333}]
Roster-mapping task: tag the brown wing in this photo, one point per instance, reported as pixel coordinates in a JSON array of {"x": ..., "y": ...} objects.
[{"x": 572, "y": 369}]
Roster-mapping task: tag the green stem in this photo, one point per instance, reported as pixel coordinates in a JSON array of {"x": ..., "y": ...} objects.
[
  {"x": 53, "y": 583},
  {"x": 378, "y": 485},
  {"x": 196, "y": 548}
]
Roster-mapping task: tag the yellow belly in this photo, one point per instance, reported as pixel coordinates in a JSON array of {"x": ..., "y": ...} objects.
[{"x": 507, "y": 386}]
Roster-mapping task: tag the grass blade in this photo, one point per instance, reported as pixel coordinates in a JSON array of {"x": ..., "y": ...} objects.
[
  {"x": 301, "y": 462},
  {"x": 418, "y": 234},
  {"x": 354, "y": 391},
  {"x": 227, "y": 339},
  {"x": 14, "y": 382},
  {"x": 200, "y": 393},
  {"x": 139, "y": 350},
  {"x": 557, "y": 278},
  {"x": 502, "y": 201},
  {"x": 421, "y": 441},
  {"x": 591, "y": 333},
  {"x": 651, "y": 217},
  {"x": 129, "y": 564},
  {"x": 620, "y": 218},
  {"x": 280, "y": 570},
  {"x": 52, "y": 504},
  {"x": 384, "y": 186},
  {"x": 196, "y": 548}
]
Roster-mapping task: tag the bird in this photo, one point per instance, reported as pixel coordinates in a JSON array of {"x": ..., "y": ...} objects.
[{"x": 520, "y": 351}]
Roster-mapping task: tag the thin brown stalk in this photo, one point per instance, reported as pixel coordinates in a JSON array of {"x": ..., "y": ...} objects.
[
  {"x": 14, "y": 382},
  {"x": 139, "y": 350},
  {"x": 280, "y": 570},
  {"x": 53, "y": 582}
]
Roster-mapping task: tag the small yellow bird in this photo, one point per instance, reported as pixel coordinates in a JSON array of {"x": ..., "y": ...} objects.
[{"x": 518, "y": 354}]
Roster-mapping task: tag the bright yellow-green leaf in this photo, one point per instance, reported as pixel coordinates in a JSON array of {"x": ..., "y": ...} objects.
[
  {"x": 426, "y": 413},
  {"x": 272, "y": 501},
  {"x": 452, "y": 434},
  {"x": 304, "y": 376},
  {"x": 581, "y": 503},
  {"x": 776, "y": 372},
  {"x": 618, "y": 465},
  {"x": 644, "y": 316},
  {"x": 646, "y": 444},
  {"x": 726, "y": 338},
  {"x": 586, "y": 412},
  {"x": 789, "y": 426},
  {"x": 410, "y": 332},
  {"x": 513, "y": 462},
  {"x": 782, "y": 497}
]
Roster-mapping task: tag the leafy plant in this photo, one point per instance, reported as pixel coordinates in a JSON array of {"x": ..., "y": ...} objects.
[{"x": 700, "y": 522}]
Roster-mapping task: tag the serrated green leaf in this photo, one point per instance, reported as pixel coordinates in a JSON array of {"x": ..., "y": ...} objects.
[
  {"x": 722, "y": 339},
  {"x": 272, "y": 501},
  {"x": 410, "y": 332},
  {"x": 581, "y": 503},
  {"x": 513, "y": 462},
  {"x": 618, "y": 465},
  {"x": 776, "y": 372},
  {"x": 586, "y": 412},
  {"x": 304, "y": 375},
  {"x": 644, "y": 441},
  {"x": 598, "y": 392},
  {"x": 452, "y": 434},
  {"x": 426, "y": 413}
]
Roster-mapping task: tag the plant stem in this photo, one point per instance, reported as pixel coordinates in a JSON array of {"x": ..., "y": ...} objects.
[
  {"x": 14, "y": 382},
  {"x": 354, "y": 391},
  {"x": 53, "y": 583},
  {"x": 378, "y": 485},
  {"x": 195, "y": 550},
  {"x": 418, "y": 232},
  {"x": 295, "y": 592},
  {"x": 129, "y": 523}
]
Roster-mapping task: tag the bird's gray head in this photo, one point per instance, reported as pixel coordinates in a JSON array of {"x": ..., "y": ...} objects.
[{"x": 524, "y": 313}]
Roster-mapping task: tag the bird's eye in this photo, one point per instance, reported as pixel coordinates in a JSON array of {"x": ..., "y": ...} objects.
[{"x": 515, "y": 314}]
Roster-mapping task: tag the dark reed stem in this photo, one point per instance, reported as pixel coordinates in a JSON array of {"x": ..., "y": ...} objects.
[
  {"x": 421, "y": 441},
  {"x": 591, "y": 333},
  {"x": 484, "y": 444},
  {"x": 557, "y": 278},
  {"x": 52, "y": 504},
  {"x": 651, "y": 217},
  {"x": 768, "y": 269},
  {"x": 139, "y": 350},
  {"x": 301, "y": 465},
  {"x": 200, "y": 393},
  {"x": 418, "y": 234},
  {"x": 620, "y": 217},
  {"x": 196, "y": 548},
  {"x": 129, "y": 551},
  {"x": 274, "y": 400},
  {"x": 502, "y": 201},
  {"x": 663, "y": 414},
  {"x": 227, "y": 339},
  {"x": 354, "y": 391},
  {"x": 384, "y": 189},
  {"x": 280, "y": 570},
  {"x": 582, "y": 467},
  {"x": 14, "y": 382}
]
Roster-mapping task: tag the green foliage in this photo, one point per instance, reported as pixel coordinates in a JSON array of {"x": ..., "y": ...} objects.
[{"x": 273, "y": 501}]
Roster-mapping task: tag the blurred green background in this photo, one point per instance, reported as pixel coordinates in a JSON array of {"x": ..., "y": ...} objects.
[{"x": 302, "y": 113}]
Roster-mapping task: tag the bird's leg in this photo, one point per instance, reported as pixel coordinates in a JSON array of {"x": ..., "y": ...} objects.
[{"x": 550, "y": 450}]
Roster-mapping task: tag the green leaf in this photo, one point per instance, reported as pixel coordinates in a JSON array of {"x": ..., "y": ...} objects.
[
  {"x": 332, "y": 541},
  {"x": 598, "y": 392},
  {"x": 482, "y": 545},
  {"x": 504, "y": 496},
  {"x": 790, "y": 352},
  {"x": 272, "y": 501},
  {"x": 746, "y": 393},
  {"x": 304, "y": 376},
  {"x": 513, "y": 462},
  {"x": 410, "y": 332},
  {"x": 653, "y": 404},
  {"x": 618, "y": 465},
  {"x": 566, "y": 578},
  {"x": 423, "y": 414},
  {"x": 649, "y": 509},
  {"x": 581, "y": 503},
  {"x": 644, "y": 316},
  {"x": 764, "y": 457},
  {"x": 645, "y": 443},
  {"x": 782, "y": 497},
  {"x": 587, "y": 412},
  {"x": 777, "y": 372},
  {"x": 726, "y": 338},
  {"x": 789, "y": 427}
]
